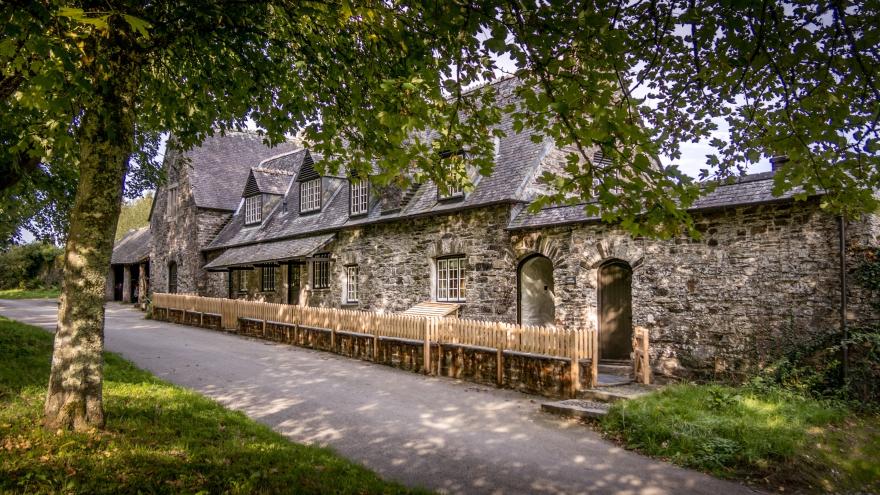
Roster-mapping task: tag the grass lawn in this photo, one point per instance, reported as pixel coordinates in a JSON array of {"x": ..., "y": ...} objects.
[
  {"x": 159, "y": 438},
  {"x": 773, "y": 438},
  {"x": 30, "y": 293}
]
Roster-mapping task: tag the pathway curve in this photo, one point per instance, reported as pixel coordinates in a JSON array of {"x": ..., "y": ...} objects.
[{"x": 450, "y": 436}]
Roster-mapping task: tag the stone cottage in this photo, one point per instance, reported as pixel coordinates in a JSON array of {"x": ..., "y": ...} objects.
[{"x": 239, "y": 220}]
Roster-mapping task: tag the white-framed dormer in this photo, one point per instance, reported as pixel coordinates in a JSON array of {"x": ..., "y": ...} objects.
[
  {"x": 253, "y": 209},
  {"x": 358, "y": 197},
  {"x": 310, "y": 192}
]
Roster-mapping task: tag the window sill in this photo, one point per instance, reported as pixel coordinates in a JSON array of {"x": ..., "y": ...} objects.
[
  {"x": 350, "y": 303},
  {"x": 310, "y": 212},
  {"x": 320, "y": 289}
]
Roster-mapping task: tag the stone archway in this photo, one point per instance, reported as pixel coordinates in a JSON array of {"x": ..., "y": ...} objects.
[{"x": 536, "y": 304}]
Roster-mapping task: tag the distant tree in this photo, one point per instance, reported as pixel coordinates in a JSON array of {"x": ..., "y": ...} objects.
[
  {"x": 91, "y": 88},
  {"x": 134, "y": 215},
  {"x": 30, "y": 266}
]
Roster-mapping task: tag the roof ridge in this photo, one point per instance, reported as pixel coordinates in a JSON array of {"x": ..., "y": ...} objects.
[
  {"x": 275, "y": 157},
  {"x": 277, "y": 171}
]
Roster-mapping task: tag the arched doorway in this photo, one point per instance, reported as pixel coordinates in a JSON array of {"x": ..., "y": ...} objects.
[
  {"x": 537, "y": 305},
  {"x": 615, "y": 311}
]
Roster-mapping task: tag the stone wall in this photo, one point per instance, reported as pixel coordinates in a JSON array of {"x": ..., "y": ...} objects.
[
  {"x": 180, "y": 237},
  {"x": 763, "y": 279}
]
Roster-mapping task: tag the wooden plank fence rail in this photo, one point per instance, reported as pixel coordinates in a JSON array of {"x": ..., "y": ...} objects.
[{"x": 569, "y": 344}]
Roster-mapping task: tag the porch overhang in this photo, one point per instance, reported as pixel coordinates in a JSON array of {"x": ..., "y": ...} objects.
[{"x": 269, "y": 253}]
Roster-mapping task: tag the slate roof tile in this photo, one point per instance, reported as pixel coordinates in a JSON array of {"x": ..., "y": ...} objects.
[
  {"x": 749, "y": 189},
  {"x": 270, "y": 251},
  {"x": 220, "y": 166},
  {"x": 133, "y": 248}
]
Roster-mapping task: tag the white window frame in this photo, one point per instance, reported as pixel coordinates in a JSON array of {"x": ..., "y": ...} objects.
[
  {"x": 271, "y": 272},
  {"x": 310, "y": 195},
  {"x": 359, "y": 197},
  {"x": 451, "y": 279},
  {"x": 253, "y": 209},
  {"x": 321, "y": 272},
  {"x": 451, "y": 192},
  {"x": 352, "y": 273},
  {"x": 243, "y": 280}
]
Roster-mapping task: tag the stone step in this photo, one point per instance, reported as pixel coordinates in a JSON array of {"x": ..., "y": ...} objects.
[
  {"x": 615, "y": 369},
  {"x": 613, "y": 380},
  {"x": 576, "y": 408},
  {"x": 614, "y": 393}
]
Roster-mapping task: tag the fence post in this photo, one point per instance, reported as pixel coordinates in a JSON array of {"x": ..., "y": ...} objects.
[
  {"x": 575, "y": 364},
  {"x": 594, "y": 358},
  {"x": 375, "y": 332},
  {"x": 499, "y": 358},
  {"x": 426, "y": 350}
]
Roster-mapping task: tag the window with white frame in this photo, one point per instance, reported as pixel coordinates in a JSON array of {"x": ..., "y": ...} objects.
[
  {"x": 454, "y": 189},
  {"x": 321, "y": 271},
  {"x": 253, "y": 209},
  {"x": 268, "y": 278},
  {"x": 351, "y": 283},
  {"x": 242, "y": 280},
  {"x": 359, "y": 196},
  {"x": 451, "y": 273},
  {"x": 310, "y": 195}
]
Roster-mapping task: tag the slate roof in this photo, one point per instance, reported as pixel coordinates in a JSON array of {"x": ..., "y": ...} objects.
[
  {"x": 220, "y": 166},
  {"x": 517, "y": 160},
  {"x": 133, "y": 248},
  {"x": 272, "y": 181},
  {"x": 749, "y": 189},
  {"x": 270, "y": 251}
]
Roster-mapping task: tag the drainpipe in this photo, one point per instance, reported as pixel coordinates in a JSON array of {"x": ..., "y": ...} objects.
[{"x": 843, "y": 327}]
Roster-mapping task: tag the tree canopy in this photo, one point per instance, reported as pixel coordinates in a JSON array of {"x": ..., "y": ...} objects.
[
  {"x": 387, "y": 84},
  {"x": 88, "y": 89}
]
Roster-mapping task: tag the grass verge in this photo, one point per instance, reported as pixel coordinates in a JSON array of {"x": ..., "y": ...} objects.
[
  {"x": 159, "y": 438},
  {"x": 771, "y": 437},
  {"x": 30, "y": 293}
]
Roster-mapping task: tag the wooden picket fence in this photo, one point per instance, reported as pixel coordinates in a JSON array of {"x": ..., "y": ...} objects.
[{"x": 573, "y": 345}]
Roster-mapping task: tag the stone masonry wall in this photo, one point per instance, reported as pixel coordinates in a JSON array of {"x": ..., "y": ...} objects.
[
  {"x": 179, "y": 238},
  {"x": 761, "y": 280}
]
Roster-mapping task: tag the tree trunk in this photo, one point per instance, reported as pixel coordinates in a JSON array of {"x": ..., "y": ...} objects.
[{"x": 105, "y": 135}]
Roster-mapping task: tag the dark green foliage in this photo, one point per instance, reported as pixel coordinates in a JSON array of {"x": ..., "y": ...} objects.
[
  {"x": 30, "y": 266},
  {"x": 159, "y": 438},
  {"x": 816, "y": 369}
]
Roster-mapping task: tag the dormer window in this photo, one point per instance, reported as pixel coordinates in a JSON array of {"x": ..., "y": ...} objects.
[
  {"x": 253, "y": 209},
  {"x": 310, "y": 195},
  {"x": 359, "y": 197},
  {"x": 453, "y": 190}
]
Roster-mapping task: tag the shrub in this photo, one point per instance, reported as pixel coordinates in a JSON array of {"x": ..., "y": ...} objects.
[
  {"x": 816, "y": 370},
  {"x": 30, "y": 266}
]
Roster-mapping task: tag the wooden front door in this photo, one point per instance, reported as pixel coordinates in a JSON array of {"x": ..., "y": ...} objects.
[
  {"x": 615, "y": 311},
  {"x": 293, "y": 283}
]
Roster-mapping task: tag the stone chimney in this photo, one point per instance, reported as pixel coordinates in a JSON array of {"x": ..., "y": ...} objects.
[{"x": 777, "y": 161}]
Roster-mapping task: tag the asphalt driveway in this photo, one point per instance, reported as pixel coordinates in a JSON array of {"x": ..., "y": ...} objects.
[{"x": 438, "y": 433}]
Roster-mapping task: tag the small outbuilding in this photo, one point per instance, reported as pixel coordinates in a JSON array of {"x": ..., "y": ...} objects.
[{"x": 129, "y": 278}]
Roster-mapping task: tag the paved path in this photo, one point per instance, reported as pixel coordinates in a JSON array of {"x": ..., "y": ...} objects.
[{"x": 438, "y": 433}]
